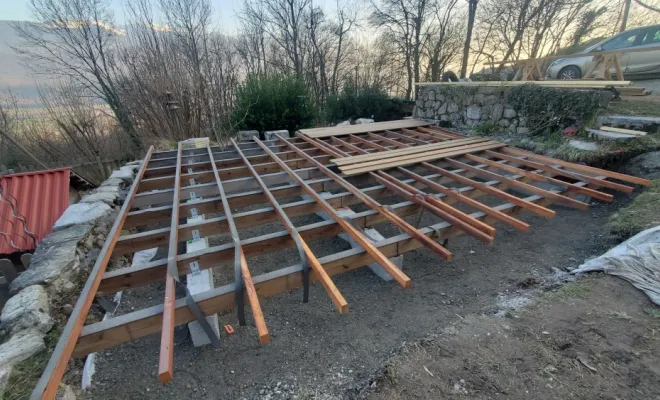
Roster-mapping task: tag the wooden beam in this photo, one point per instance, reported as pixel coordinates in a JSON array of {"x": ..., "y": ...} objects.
[{"x": 49, "y": 382}]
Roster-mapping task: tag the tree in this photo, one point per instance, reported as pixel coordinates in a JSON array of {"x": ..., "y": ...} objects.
[
  {"x": 472, "y": 14},
  {"x": 76, "y": 39},
  {"x": 403, "y": 24}
]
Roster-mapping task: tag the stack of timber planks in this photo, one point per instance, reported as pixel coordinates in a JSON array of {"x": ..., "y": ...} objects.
[{"x": 407, "y": 156}]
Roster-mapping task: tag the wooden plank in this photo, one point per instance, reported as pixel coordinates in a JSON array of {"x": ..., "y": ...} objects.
[
  {"x": 578, "y": 84},
  {"x": 541, "y": 178},
  {"x": 335, "y": 295},
  {"x": 524, "y": 186},
  {"x": 48, "y": 384},
  {"x": 166, "y": 362},
  {"x": 560, "y": 172},
  {"x": 362, "y": 128},
  {"x": 404, "y": 151},
  {"x": 621, "y": 130},
  {"x": 430, "y": 156},
  {"x": 578, "y": 167}
]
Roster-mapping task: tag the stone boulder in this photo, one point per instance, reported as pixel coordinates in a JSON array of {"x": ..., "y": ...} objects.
[
  {"x": 125, "y": 173},
  {"x": 244, "y": 136},
  {"x": 82, "y": 213},
  {"x": 55, "y": 256},
  {"x": 344, "y": 123},
  {"x": 644, "y": 166},
  {"x": 112, "y": 182},
  {"x": 108, "y": 198},
  {"x": 28, "y": 309},
  {"x": 21, "y": 346},
  {"x": 270, "y": 135},
  {"x": 364, "y": 121},
  {"x": 474, "y": 112}
]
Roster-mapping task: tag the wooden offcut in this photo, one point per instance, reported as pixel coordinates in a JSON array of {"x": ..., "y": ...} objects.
[
  {"x": 362, "y": 128},
  {"x": 622, "y": 130}
]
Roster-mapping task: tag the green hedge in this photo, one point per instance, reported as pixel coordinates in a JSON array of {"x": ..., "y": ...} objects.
[
  {"x": 364, "y": 102},
  {"x": 272, "y": 102}
]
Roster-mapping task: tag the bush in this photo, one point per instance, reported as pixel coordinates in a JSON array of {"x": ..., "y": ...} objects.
[
  {"x": 364, "y": 102},
  {"x": 272, "y": 102}
]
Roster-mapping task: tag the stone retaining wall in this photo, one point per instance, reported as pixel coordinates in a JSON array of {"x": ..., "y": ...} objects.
[
  {"x": 60, "y": 263},
  {"x": 468, "y": 106}
]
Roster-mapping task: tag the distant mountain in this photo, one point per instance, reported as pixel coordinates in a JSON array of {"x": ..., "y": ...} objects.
[{"x": 13, "y": 75}]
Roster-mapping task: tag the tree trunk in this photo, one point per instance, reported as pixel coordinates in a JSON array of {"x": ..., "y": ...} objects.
[{"x": 472, "y": 13}]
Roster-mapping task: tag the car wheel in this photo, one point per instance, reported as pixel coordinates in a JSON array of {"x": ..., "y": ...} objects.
[{"x": 570, "y": 72}]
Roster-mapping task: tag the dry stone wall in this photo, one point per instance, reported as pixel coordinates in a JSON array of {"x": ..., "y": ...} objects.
[{"x": 469, "y": 106}]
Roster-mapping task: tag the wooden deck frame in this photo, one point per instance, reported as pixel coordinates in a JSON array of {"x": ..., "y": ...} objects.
[{"x": 303, "y": 167}]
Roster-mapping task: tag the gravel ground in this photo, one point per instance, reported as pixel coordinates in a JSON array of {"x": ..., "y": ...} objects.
[{"x": 317, "y": 353}]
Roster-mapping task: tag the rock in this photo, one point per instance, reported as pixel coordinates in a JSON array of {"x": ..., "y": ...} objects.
[
  {"x": 65, "y": 392},
  {"x": 428, "y": 103},
  {"x": 56, "y": 255},
  {"x": 504, "y": 123},
  {"x": 522, "y": 131},
  {"x": 112, "y": 182},
  {"x": 419, "y": 102},
  {"x": 486, "y": 90},
  {"x": 344, "y": 123},
  {"x": 82, "y": 213},
  {"x": 430, "y": 113},
  {"x": 67, "y": 309},
  {"x": 444, "y": 117},
  {"x": 509, "y": 113},
  {"x": 522, "y": 121},
  {"x": 582, "y": 145},
  {"x": 479, "y": 98},
  {"x": 270, "y": 135},
  {"x": 108, "y": 198},
  {"x": 441, "y": 98},
  {"x": 496, "y": 112},
  {"x": 364, "y": 121},
  {"x": 134, "y": 163},
  {"x": 28, "y": 309},
  {"x": 431, "y": 95},
  {"x": 125, "y": 173},
  {"x": 442, "y": 109},
  {"x": 107, "y": 189},
  {"x": 452, "y": 108},
  {"x": 5, "y": 372},
  {"x": 474, "y": 112},
  {"x": 21, "y": 346},
  {"x": 247, "y": 135},
  {"x": 492, "y": 99},
  {"x": 644, "y": 166}
]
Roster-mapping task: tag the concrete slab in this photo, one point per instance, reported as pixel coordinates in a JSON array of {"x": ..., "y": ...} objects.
[
  {"x": 198, "y": 282},
  {"x": 582, "y": 145},
  {"x": 614, "y": 136}
]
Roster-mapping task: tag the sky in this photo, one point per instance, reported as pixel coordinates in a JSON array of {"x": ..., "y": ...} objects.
[{"x": 224, "y": 10}]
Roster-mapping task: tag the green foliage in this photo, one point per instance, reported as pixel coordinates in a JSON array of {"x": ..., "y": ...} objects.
[
  {"x": 486, "y": 128},
  {"x": 639, "y": 215},
  {"x": 549, "y": 108},
  {"x": 364, "y": 102},
  {"x": 272, "y": 102}
]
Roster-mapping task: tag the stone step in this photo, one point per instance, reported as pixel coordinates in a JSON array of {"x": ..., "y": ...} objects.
[
  {"x": 648, "y": 124},
  {"x": 606, "y": 135}
]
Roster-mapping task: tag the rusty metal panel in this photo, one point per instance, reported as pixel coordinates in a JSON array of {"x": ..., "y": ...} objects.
[{"x": 37, "y": 200}]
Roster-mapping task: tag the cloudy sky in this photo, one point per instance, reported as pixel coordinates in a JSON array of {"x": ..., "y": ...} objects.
[{"x": 224, "y": 10}]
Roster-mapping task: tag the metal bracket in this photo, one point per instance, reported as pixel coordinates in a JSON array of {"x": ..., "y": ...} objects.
[
  {"x": 193, "y": 212},
  {"x": 107, "y": 305},
  {"x": 194, "y": 268},
  {"x": 190, "y": 171},
  {"x": 193, "y": 196},
  {"x": 195, "y": 235},
  {"x": 192, "y": 181},
  {"x": 240, "y": 284}
]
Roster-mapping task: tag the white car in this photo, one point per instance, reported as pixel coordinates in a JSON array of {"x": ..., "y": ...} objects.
[{"x": 633, "y": 64}]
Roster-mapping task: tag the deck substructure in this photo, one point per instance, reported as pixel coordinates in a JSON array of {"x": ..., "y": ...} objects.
[{"x": 466, "y": 186}]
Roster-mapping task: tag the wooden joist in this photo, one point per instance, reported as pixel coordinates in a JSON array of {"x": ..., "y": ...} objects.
[{"x": 265, "y": 173}]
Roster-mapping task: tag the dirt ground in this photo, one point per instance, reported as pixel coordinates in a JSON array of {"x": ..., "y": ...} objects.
[
  {"x": 598, "y": 338},
  {"x": 315, "y": 353}
]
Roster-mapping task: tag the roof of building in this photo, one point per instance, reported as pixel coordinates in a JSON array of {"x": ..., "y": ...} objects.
[{"x": 37, "y": 200}]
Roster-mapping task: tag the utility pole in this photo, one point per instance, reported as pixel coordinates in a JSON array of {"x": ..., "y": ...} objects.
[{"x": 626, "y": 11}]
